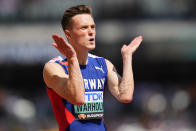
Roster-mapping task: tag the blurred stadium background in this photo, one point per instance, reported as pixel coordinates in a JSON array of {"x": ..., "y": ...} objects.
[{"x": 164, "y": 65}]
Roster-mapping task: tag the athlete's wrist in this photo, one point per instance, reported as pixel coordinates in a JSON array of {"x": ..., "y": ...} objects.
[
  {"x": 127, "y": 57},
  {"x": 72, "y": 59}
]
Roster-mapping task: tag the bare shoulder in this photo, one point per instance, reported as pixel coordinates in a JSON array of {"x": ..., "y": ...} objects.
[
  {"x": 52, "y": 72},
  {"x": 111, "y": 70},
  {"x": 52, "y": 67},
  {"x": 109, "y": 64}
]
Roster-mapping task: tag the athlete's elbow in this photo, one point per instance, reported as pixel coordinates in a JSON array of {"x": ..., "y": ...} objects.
[
  {"x": 78, "y": 100},
  {"x": 127, "y": 99},
  {"x": 77, "y": 95}
]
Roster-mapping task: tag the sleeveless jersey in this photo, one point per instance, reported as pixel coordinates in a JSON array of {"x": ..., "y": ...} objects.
[{"x": 89, "y": 116}]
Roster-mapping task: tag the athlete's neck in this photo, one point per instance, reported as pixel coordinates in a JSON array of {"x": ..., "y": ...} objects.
[
  {"x": 82, "y": 58},
  {"x": 82, "y": 54}
]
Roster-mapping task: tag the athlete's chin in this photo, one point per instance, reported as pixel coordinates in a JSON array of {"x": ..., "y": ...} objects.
[{"x": 91, "y": 46}]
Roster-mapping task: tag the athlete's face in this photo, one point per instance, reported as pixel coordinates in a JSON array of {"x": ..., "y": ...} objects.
[{"x": 82, "y": 34}]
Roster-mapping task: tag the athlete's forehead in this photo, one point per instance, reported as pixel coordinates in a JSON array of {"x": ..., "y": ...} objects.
[{"x": 83, "y": 19}]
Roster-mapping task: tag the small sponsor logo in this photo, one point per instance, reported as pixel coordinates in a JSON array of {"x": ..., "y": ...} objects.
[
  {"x": 99, "y": 68},
  {"x": 81, "y": 116}
]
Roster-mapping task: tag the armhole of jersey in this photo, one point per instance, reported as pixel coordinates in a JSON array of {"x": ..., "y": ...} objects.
[
  {"x": 61, "y": 61},
  {"x": 63, "y": 66},
  {"x": 106, "y": 67}
]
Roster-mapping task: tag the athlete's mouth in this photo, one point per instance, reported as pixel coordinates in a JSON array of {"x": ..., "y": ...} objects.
[{"x": 91, "y": 39}]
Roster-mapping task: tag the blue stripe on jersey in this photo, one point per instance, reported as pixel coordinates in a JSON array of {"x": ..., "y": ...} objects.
[
  {"x": 68, "y": 105},
  {"x": 64, "y": 66}
]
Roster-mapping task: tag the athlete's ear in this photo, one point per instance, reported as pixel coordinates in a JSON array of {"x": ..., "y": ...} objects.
[{"x": 67, "y": 34}]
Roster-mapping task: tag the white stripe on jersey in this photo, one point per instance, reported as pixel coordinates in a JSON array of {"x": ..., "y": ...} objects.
[
  {"x": 93, "y": 56},
  {"x": 58, "y": 58}
]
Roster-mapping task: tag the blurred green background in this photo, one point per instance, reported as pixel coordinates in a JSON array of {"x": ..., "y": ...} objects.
[{"x": 164, "y": 65}]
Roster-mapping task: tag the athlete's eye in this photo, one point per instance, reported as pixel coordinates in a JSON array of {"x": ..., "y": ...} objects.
[
  {"x": 93, "y": 27},
  {"x": 84, "y": 27}
]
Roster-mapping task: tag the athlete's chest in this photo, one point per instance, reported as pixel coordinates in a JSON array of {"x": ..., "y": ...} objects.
[{"x": 94, "y": 77}]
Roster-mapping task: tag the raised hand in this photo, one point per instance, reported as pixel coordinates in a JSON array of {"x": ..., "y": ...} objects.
[
  {"x": 132, "y": 47},
  {"x": 63, "y": 46}
]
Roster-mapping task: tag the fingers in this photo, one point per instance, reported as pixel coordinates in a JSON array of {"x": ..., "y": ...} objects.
[
  {"x": 60, "y": 42},
  {"x": 132, "y": 47},
  {"x": 63, "y": 46},
  {"x": 56, "y": 36},
  {"x": 54, "y": 44},
  {"x": 58, "y": 39},
  {"x": 137, "y": 41}
]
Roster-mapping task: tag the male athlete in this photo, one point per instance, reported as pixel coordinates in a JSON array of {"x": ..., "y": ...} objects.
[{"x": 75, "y": 84}]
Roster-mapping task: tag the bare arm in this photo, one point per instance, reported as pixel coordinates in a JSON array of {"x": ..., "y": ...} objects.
[
  {"x": 69, "y": 86},
  {"x": 122, "y": 88}
]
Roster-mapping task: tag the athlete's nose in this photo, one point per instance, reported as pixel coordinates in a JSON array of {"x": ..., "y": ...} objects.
[{"x": 91, "y": 31}]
